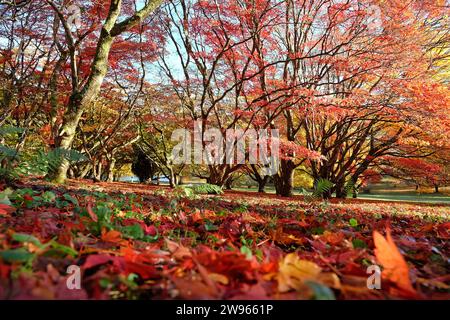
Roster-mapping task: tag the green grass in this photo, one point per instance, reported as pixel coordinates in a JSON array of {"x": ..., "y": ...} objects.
[
  {"x": 382, "y": 195},
  {"x": 407, "y": 196}
]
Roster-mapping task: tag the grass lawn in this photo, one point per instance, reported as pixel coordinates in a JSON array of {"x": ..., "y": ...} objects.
[{"x": 405, "y": 195}]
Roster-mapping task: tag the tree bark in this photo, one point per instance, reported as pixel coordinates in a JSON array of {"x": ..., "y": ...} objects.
[
  {"x": 436, "y": 188},
  {"x": 80, "y": 99},
  {"x": 283, "y": 180},
  {"x": 262, "y": 184},
  {"x": 110, "y": 170},
  {"x": 341, "y": 193}
]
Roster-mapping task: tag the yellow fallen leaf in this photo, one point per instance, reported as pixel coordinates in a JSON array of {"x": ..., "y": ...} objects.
[
  {"x": 294, "y": 272},
  {"x": 220, "y": 278}
]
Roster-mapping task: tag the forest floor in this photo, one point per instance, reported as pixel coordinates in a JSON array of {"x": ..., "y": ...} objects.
[{"x": 133, "y": 241}]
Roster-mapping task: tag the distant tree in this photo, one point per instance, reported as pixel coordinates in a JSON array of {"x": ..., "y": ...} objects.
[{"x": 142, "y": 166}]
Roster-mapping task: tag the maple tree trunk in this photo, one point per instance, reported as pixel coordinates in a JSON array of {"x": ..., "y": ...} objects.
[
  {"x": 98, "y": 169},
  {"x": 172, "y": 178},
  {"x": 81, "y": 99},
  {"x": 436, "y": 188},
  {"x": 284, "y": 179},
  {"x": 85, "y": 171},
  {"x": 341, "y": 193},
  {"x": 262, "y": 184},
  {"x": 110, "y": 170},
  {"x": 78, "y": 103},
  {"x": 218, "y": 175},
  {"x": 228, "y": 184}
]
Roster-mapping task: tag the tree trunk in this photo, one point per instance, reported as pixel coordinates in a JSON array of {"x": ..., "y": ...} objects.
[
  {"x": 172, "y": 178},
  {"x": 436, "y": 188},
  {"x": 262, "y": 184},
  {"x": 80, "y": 99},
  {"x": 110, "y": 170},
  {"x": 341, "y": 193},
  {"x": 228, "y": 184},
  {"x": 85, "y": 171},
  {"x": 284, "y": 178},
  {"x": 218, "y": 175},
  {"x": 97, "y": 171}
]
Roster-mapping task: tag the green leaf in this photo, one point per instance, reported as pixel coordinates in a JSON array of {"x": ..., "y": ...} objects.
[
  {"x": 353, "y": 222},
  {"x": 22, "y": 237},
  {"x": 4, "y": 199},
  {"x": 317, "y": 230},
  {"x": 48, "y": 196},
  {"x": 247, "y": 251},
  {"x": 322, "y": 186},
  {"x": 134, "y": 231},
  {"x": 358, "y": 243},
  {"x": 68, "y": 197},
  {"x": 8, "y": 130},
  {"x": 209, "y": 226},
  {"x": 64, "y": 249},
  {"x": 16, "y": 255},
  {"x": 321, "y": 292}
]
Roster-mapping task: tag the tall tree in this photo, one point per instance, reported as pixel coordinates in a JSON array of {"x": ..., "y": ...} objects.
[{"x": 82, "y": 94}]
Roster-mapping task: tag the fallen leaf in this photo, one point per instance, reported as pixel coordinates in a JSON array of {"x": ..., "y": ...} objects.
[
  {"x": 395, "y": 268},
  {"x": 178, "y": 251},
  {"x": 293, "y": 273},
  {"x": 220, "y": 278},
  {"x": 113, "y": 236},
  {"x": 5, "y": 209},
  {"x": 91, "y": 213}
]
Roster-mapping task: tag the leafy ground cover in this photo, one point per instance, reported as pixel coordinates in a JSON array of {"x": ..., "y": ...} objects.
[{"x": 141, "y": 242}]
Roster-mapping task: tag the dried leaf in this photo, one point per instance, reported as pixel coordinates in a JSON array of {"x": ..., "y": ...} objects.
[
  {"x": 294, "y": 272},
  {"x": 395, "y": 267}
]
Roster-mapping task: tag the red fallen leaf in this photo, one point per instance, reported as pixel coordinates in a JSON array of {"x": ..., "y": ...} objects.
[
  {"x": 196, "y": 217},
  {"x": 269, "y": 267},
  {"x": 355, "y": 269},
  {"x": 333, "y": 238},
  {"x": 95, "y": 260},
  {"x": 395, "y": 267},
  {"x": 141, "y": 263},
  {"x": 286, "y": 221},
  {"x": 443, "y": 230},
  {"x": 231, "y": 228},
  {"x": 280, "y": 236},
  {"x": 91, "y": 213},
  {"x": 233, "y": 265},
  {"x": 150, "y": 230},
  {"x": 5, "y": 209},
  {"x": 318, "y": 245}
]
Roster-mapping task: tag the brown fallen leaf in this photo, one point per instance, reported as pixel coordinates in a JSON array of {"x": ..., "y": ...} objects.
[{"x": 178, "y": 251}]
